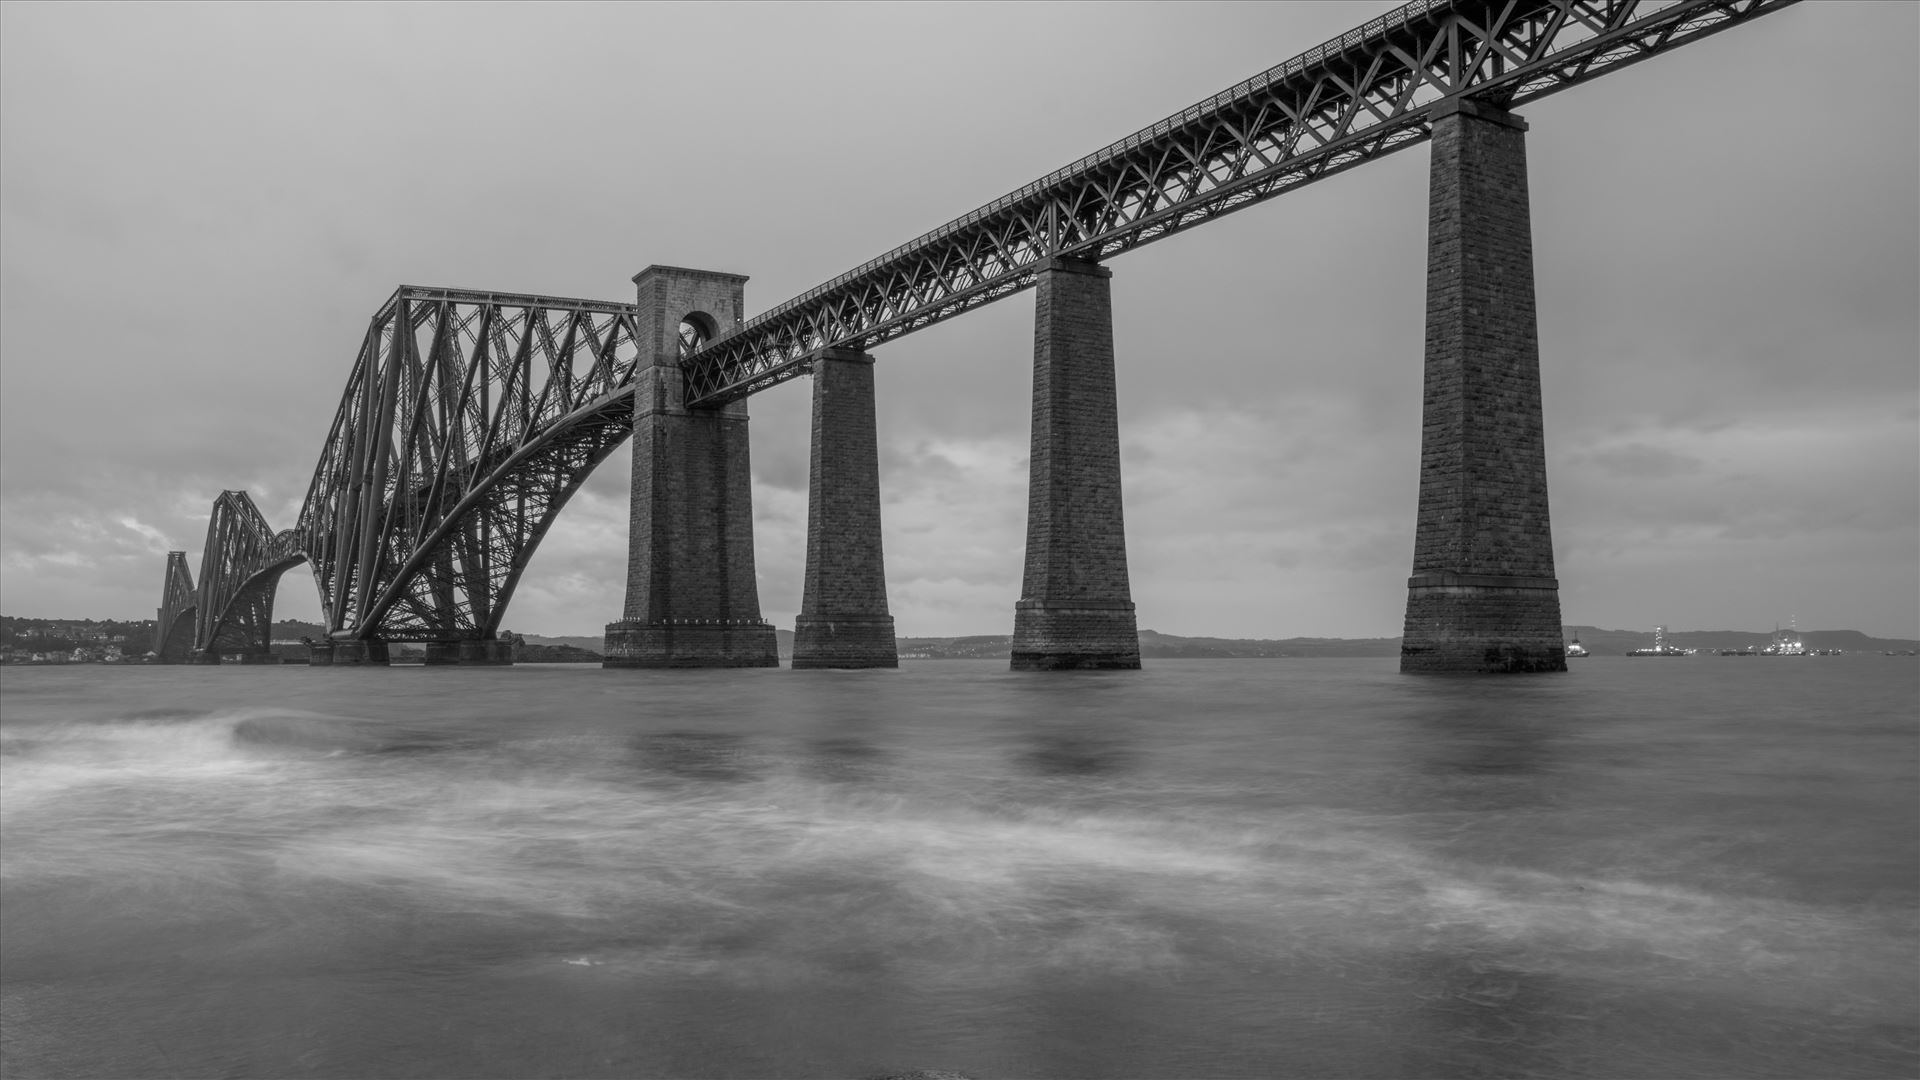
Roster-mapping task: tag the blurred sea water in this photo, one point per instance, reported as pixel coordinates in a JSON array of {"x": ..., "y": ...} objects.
[{"x": 1255, "y": 868}]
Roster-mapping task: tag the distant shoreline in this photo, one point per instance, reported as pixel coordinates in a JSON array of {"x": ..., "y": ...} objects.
[{"x": 28, "y": 637}]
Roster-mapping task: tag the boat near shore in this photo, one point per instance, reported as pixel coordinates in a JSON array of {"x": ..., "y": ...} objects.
[
  {"x": 1785, "y": 643},
  {"x": 1575, "y": 649},
  {"x": 1660, "y": 646}
]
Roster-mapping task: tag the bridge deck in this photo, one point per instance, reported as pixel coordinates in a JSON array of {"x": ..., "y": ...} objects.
[{"x": 1363, "y": 94}]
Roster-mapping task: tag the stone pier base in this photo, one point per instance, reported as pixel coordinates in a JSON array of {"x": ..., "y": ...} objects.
[
  {"x": 1069, "y": 636},
  {"x": 691, "y": 644},
  {"x": 469, "y": 653},
  {"x": 358, "y": 652},
  {"x": 1482, "y": 625},
  {"x": 836, "y": 642}
]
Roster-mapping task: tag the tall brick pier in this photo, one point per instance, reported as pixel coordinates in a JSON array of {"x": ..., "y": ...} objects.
[
  {"x": 1076, "y": 606},
  {"x": 844, "y": 622},
  {"x": 1483, "y": 597},
  {"x": 691, "y": 596}
]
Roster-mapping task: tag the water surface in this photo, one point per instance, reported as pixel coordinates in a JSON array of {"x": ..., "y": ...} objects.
[{"x": 1644, "y": 868}]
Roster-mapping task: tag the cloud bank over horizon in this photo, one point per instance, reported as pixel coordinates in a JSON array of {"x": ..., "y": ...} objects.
[{"x": 200, "y": 206}]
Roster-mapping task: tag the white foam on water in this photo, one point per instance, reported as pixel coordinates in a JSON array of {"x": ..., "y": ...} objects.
[
  {"x": 149, "y": 799},
  {"x": 780, "y": 877},
  {"x": 1348, "y": 864},
  {"x": 1789, "y": 954},
  {"x": 50, "y": 776},
  {"x": 806, "y": 874}
]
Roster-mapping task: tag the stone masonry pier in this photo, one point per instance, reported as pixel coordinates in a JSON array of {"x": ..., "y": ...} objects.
[
  {"x": 844, "y": 621},
  {"x": 691, "y": 596},
  {"x": 1076, "y": 606},
  {"x": 1483, "y": 596}
]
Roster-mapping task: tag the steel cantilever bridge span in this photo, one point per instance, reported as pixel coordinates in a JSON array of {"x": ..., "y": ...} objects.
[{"x": 471, "y": 417}]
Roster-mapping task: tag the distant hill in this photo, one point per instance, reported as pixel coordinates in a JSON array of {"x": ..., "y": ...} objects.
[
  {"x": 596, "y": 645},
  {"x": 1618, "y": 642},
  {"x": 528, "y": 652},
  {"x": 1153, "y": 645},
  {"x": 589, "y": 644},
  {"x": 1158, "y": 646}
]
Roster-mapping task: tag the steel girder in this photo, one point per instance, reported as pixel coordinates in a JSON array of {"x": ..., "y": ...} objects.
[
  {"x": 469, "y": 420},
  {"x": 173, "y": 625},
  {"x": 1366, "y": 93}
]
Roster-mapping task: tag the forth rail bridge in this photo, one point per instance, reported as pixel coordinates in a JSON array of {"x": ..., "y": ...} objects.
[{"x": 471, "y": 417}]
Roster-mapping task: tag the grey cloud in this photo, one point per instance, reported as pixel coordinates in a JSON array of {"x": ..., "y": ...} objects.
[
  {"x": 1640, "y": 460},
  {"x": 787, "y": 472}
]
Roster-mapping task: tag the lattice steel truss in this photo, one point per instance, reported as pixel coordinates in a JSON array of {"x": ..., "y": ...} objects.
[
  {"x": 469, "y": 420},
  {"x": 1366, "y": 93},
  {"x": 173, "y": 629},
  {"x": 240, "y": 571}
]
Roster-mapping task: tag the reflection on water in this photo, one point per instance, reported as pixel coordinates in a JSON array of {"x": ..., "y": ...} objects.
[
  {"x": 1079, "y": 751},
  {"x": 846, "y": 759},
  {"x": 1203, "y": 869},
  {"x": 696, "y": 755},
  {"x": 1481, "y": 1009},
  {"x": 1479, "y": 761}
]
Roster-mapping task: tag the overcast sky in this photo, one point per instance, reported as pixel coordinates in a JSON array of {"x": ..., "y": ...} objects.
[{"x": 201, "y": 206}]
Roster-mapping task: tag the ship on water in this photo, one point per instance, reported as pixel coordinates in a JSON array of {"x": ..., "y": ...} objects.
[
  {"x": 1575, "y": 649},
  {"x": 1660, "y": 646},
  {"x": 1785, "y": 643}
]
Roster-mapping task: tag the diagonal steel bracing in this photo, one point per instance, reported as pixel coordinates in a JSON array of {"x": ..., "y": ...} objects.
[
  {"x": 240, "y": 569},
  {"x": 469, "y": 420},
  {"x": 173, "y": 623},
  {"x": 1366, "y": 93},
  {"x": 471, "y": 417}
]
